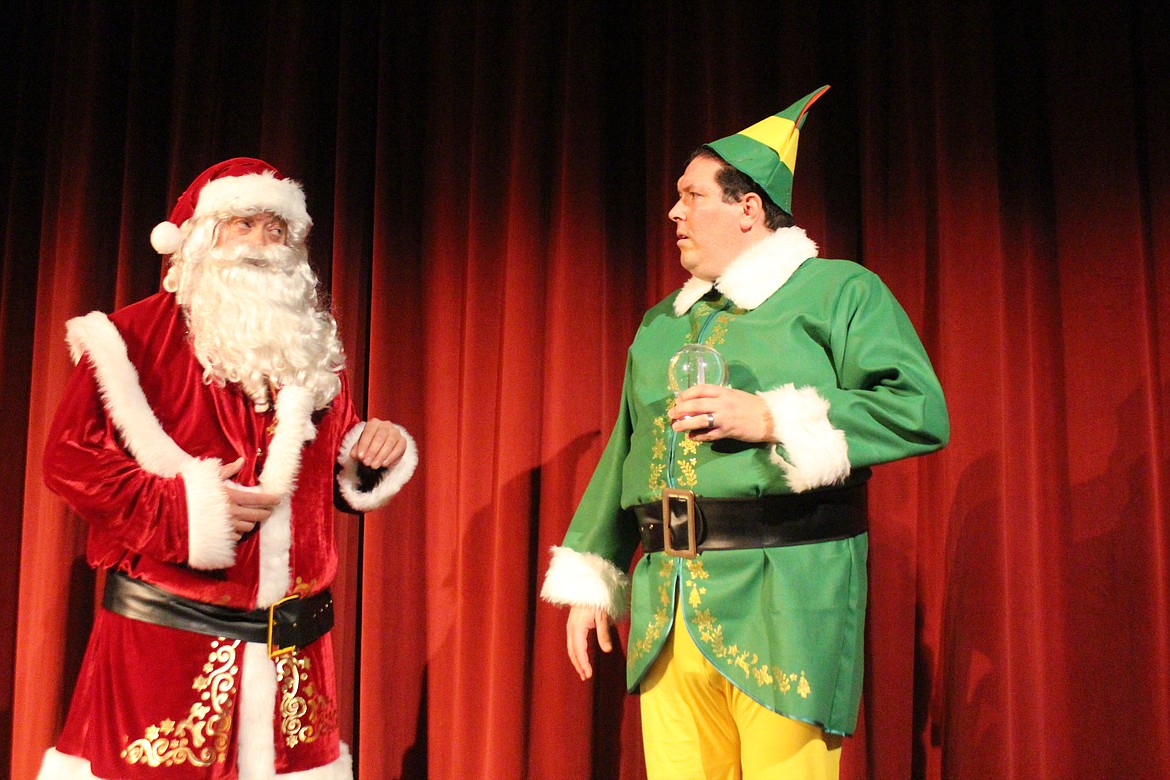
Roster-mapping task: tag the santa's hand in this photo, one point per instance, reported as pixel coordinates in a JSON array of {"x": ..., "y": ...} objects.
[
  {"x": 710, "y": 412},
  {"x": 229, "y": 470},
  {"x": 247, "y": 507},
  {"x": 380, "y": 445},
  {"x": 583, "y": 620}
]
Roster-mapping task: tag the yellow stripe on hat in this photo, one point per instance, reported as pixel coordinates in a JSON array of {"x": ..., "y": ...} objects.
[{"x": 778, "y": 134}]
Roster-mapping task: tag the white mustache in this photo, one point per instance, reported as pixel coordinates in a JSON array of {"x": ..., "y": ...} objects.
[{"x": 274, "y": 256}]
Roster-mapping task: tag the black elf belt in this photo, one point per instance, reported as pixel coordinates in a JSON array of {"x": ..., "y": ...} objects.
[
  {"x": 288, "y": 624},
  {"x": 698, "y": 523}
]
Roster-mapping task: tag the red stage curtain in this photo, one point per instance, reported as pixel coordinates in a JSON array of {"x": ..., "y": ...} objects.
[{"x": 489, "y": 184}]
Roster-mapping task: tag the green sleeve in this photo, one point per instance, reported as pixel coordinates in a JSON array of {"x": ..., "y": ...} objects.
[
  {"x": 600, "y": 525},
  {"x": 888, "y": 400}
]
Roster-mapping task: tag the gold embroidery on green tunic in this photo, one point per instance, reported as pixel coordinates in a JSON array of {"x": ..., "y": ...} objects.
[
  {"x": 719, "y": 324},
  {"x": 718, "y": 331},
  {"x": 201, "y": 738},
  {"x": 656, "y": 481},
  {"x": 748, "y": 662},
  {"x": 661, "y": 616}
]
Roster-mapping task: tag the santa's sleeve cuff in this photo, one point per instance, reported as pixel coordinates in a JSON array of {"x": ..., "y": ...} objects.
[
  {"x": 577, "y": 579},
  {"x": 390, "y": 480},
  {"x": 815, "y": 453},
  {"x": 211, "y": 540}
]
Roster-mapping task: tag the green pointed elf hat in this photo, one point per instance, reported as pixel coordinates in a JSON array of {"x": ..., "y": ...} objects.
[{"x": 766, "y": 151}]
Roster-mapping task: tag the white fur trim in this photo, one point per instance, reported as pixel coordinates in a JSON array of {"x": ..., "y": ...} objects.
[
  {"x": 94, "y": 335},
  {"x": 756, "y": 274},
  {"x": 166, "y": 238},
  {"x": 694, "y": 289},
  {"x": 275, "y": 543},
  {"x": 56, "y": 765},
  {"x": 211, "y": 542},
  {"x": 62, "y": 766},
  {"x": 253, "y": 192},
  {"x": 391, "y": 481},
  {"x": 256, "y": 753},
  {"x": 765, "y": 266},
  {"x": 817, "y": 453},
  {"x": 294, "y": 427},
  {"x": 577, "y": 579},
  {"x": 209, "y": 545}
]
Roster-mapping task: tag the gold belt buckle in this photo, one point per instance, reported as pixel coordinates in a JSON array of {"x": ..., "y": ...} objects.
[
  {"x": 687, "y": 497},
  {"x": 274, "y": 652}
]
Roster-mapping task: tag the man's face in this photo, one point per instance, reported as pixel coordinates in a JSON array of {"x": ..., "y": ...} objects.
[
  {"x": 710, "y": 232},
  {"x": 257, "y": 230}
]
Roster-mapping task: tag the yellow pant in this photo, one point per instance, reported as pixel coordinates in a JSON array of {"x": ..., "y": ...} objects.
[{"x": 698, "y": 726}]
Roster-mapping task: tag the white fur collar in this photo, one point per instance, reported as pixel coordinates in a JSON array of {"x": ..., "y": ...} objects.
[{"x": 752, "y": 277}]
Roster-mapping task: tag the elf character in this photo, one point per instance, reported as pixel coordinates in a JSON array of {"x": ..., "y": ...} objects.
[{"x": 747, "y": 497}]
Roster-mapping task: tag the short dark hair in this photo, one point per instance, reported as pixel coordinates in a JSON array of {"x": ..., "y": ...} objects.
[{"x": 736, "y": 184}]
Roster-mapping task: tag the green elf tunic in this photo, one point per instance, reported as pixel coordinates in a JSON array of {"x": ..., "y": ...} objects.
[{"x": 849, "y": 386}]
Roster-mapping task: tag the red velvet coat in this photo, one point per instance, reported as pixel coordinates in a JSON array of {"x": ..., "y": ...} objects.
[{"x": 135, "y": 449}]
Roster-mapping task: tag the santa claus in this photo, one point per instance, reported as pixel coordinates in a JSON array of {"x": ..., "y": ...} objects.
[{"x": 206, "y": 434}]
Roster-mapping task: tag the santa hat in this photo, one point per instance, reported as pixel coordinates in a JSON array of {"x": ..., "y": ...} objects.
[
  {"x": 242, "y": 185},
  {"x": 766, "y": 151}
]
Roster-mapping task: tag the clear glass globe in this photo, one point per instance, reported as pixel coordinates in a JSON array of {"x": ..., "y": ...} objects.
[{"x": 696, "y": 364}]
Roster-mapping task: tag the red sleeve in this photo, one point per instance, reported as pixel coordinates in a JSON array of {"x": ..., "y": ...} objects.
[{"x": 86, "y": 464}]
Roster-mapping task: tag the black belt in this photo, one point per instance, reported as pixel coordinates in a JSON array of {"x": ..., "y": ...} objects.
[
  {"x": 288, "y": 624},
  {"x": 698, "y": 523}
]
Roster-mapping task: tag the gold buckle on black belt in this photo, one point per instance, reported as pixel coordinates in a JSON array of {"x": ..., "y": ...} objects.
[
  {"x": 683, "y": 500},
  {"x": 276, "y": 651}
]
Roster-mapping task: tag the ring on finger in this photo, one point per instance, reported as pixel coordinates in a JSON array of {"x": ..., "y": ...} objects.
[{"x": 710, "y": 419}]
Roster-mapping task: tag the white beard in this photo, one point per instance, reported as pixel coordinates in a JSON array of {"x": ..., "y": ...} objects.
[{"x": 254, "y": 319}]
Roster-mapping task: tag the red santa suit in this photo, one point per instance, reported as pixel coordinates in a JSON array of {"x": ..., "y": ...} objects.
[{"x": 136, "y": 449}]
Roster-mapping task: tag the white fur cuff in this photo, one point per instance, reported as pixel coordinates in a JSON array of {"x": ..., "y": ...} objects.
[
  {"x": 817, "y": 454},
  {"x": 577, "y": 579},
  {"x": 390, "y": 482},
  {"x": 210, "y": 538}
]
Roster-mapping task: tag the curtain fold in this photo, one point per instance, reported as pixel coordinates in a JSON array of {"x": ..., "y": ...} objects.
[{"x": 489, "y": 185}]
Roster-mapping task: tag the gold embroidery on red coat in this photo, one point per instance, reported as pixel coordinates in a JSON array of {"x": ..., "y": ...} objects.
[
  {"x": 748, "y": 662},
  {"x": 304, "y": 713},
  {"x": 201, "y": 738}
]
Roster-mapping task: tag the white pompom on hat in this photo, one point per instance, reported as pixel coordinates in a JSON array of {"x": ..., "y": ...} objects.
[{"x": 241, "y": 185}]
